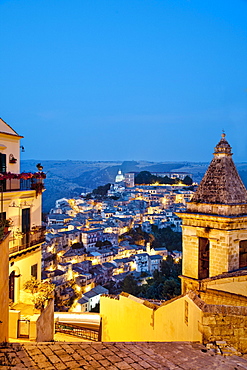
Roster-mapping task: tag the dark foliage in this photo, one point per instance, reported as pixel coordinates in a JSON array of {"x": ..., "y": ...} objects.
[
  {"x": 167, "y": 238},
  {"x": 102, "y": 245},
  {"x": 77, "y": 246},
  {"x": 102, "y": 190},
  {"x": 137, "y": 236},
  {"x": 96, "y": 308},
  {"x": 145, "y": 177},
  {"x": 129, "y": 285}
]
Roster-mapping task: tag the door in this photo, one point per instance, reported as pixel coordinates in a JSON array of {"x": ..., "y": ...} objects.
[{"x": 25, "y": 226}]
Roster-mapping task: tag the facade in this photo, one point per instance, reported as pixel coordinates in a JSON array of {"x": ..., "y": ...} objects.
[
  {"x": 20, "y": 209},
  {"x": 21, "y": 204},
  {"x": 90, "y": 299},
  {"x": 89, "y": 238}
]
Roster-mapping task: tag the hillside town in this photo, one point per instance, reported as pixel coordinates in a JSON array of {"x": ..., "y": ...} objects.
[
  {"x": 87, "y": 245},
  {"x": 96, "y": 258}
]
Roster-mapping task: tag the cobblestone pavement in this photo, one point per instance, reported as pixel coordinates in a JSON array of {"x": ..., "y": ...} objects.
[{"x": 115, "y": 356}]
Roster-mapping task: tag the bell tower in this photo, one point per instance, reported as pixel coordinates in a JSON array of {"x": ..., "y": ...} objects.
[{"x": 215, "y": 222}]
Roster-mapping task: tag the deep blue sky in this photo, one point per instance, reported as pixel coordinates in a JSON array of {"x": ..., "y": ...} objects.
[{"x": 124, "y": 79}]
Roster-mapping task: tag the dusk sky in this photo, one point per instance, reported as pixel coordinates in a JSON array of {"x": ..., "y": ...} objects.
[{"x": 152, "y": 80}]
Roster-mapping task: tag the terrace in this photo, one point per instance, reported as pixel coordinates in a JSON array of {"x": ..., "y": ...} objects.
[{"x": 22, "y": 241}]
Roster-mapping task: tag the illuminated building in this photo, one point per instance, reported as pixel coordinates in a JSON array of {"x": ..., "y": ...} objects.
[{"x": 20, "y": 204}]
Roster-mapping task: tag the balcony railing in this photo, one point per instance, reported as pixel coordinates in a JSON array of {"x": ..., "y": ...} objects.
[
  {"x": 26, "y": 240},
  {"x": 22, "y": 181},
  {"x": 21, "y": 184}
]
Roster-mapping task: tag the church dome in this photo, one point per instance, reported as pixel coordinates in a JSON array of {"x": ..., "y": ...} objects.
[{"x": 119, "y": 177}]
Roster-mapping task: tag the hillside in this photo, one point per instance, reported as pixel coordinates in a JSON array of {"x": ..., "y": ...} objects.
[{"x": 70, "y": 178}]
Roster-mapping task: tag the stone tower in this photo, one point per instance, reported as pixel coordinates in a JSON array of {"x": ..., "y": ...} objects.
[{"x": 215, "y": 223}]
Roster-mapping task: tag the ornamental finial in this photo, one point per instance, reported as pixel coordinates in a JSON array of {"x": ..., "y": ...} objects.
[{"x": 223, "y": 135}]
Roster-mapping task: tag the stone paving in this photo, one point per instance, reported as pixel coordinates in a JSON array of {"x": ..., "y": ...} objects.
[{"x": 115, "y": 356}]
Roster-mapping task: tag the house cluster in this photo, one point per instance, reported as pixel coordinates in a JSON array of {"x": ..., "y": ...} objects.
[
  {"x": 212, "y": 307},
  {"x": 82, "y": 247}
]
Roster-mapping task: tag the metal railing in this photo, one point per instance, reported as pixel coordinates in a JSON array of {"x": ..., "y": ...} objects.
[
  {"x": 78, "y": 331},
  {"x": 27, "y": 240},
  {"x": 19, "y": 184}
]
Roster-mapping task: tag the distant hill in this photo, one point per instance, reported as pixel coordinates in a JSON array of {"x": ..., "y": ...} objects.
[{"x": 71, "y": 178}]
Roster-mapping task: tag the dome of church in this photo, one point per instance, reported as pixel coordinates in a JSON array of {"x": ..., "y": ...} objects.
[{"x": 119, "y": 177}]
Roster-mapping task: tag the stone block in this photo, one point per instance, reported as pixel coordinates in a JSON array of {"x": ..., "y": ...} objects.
[
  {"x": 207, "y": 332},
  {"x": 221, "y": 343},
  {"x": 208, "y": 320},
  {"x": 216, "y": 331},
  {"x": 226, "y": 331}
]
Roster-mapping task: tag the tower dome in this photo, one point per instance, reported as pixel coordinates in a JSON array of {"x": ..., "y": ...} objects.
[
  {"x": 221, "y": 183},
  {"x": 223, "y": 147}
]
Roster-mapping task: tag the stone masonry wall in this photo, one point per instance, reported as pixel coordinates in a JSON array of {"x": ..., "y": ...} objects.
[
  {"x": 224, "y": 236},
  {"x": 222, "y": 322},
  {"x": 190, "y": 254},
  {"x": 230, "y": 328}
]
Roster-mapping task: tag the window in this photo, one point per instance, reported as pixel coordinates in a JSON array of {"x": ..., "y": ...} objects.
[
  {"x": 2, "y": 162},
  {"x": 243, "y": 253},
  {"x": 34, "y": 271},
  {"x": 2, "y": 170},
  {"x": 3, "y": 215},
  {"x": 203, "y": 263}
]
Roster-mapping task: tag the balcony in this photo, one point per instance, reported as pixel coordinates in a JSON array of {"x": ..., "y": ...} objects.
[
  {"x": 23, "y": 181},
  {"x": 21, "y": 241}
]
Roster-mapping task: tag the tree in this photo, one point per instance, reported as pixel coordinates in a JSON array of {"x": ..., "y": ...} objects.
[
  {"x": 41, "y": 291},
  {"x": 187, "y": 180},
  {"x": 143, "y": 177},
  {"x": 171, "y": 288},
  {"x": 137, "y": 236},
  {"x": 167, "y": 238},
  {"x": 129, "y": 285},
  {"x": 105, "y": 244},
  {"x": 77, "y": 245},
  {"x": 102, "y": 190},
  {"x": 171, "y": 269},
  {"x": 96, "y": 308}
]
